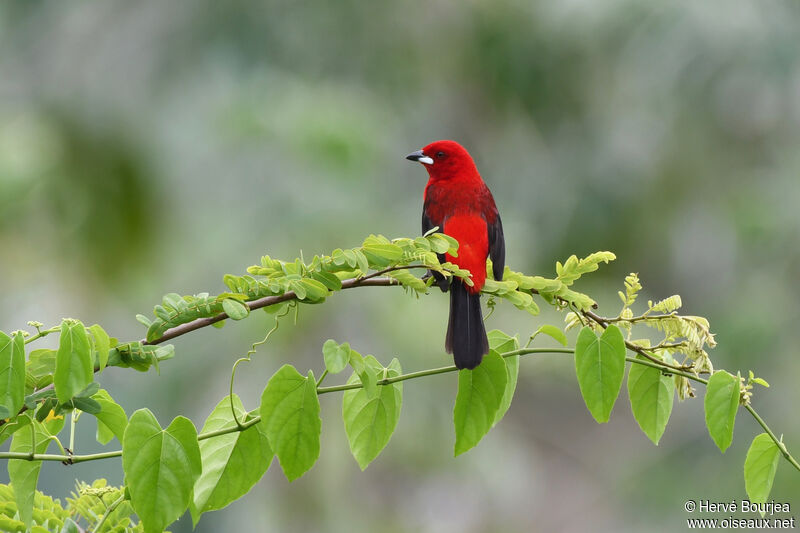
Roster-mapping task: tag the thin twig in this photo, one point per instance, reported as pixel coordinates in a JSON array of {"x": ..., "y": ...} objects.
[
  {"x": 390, "y": 269},
  {"x": 109, "y": 510},
  {"x": 633, "y": 347},
  {"x": 266, "y": 301}
]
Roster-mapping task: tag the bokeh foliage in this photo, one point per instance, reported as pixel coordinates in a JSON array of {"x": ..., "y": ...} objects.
[{"x": 152, "y": 146}]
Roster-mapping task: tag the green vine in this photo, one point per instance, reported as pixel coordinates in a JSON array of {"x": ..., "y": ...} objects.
[{"x": 202, "y": 471}]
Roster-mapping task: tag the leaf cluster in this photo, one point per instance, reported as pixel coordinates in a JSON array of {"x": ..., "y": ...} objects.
[
  {"x": 87, "y": 505},
  {"x": 174, "y": 468}
]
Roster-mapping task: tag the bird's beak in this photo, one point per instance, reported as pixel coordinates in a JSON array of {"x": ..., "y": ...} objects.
[{"x": 419, "y": 156}]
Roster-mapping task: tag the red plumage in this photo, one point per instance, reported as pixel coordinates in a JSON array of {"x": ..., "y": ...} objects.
[{"x": 461, "y": 205}]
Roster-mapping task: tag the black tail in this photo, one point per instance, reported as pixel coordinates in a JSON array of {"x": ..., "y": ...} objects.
[{"x": 466, "y": 336}]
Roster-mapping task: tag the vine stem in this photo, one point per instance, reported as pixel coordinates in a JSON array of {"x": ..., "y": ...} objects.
[
  {"x": 117, "y": 453},
  {"x": 387, "y": 381},
  {"x": 687, "y": 375},
  {"x": 109, "y": 510},
  {"x": 255, "y": 420},
  {"x": 434, "y": 371},
  {"x": 247, "y": 358},
  {"x": 42, "y": 333},
  {"x": 73, "y": 421},
  {"x": 778, "y": 442}
]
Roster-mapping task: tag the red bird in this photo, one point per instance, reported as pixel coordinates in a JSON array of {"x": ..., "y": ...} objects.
[{"x": 460, "y": 204}]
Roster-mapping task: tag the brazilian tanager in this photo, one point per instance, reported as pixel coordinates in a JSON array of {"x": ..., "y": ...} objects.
[{"x": 460, "y": 204}]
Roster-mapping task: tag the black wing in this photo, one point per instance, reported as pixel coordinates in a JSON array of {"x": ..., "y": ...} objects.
[
  {"x": 439, "y": 280},
  {"x": 427, "y": 225},
  {"x": 497, "y": 248}
]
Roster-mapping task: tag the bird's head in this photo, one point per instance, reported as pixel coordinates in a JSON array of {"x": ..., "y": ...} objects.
[{"x": 445, "y": 160}]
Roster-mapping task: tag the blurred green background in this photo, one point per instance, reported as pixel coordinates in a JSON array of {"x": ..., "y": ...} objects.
[{"x": 149, "y": 147}]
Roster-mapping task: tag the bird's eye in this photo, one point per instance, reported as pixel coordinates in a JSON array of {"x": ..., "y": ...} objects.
[{"x": 440, "y": 154}]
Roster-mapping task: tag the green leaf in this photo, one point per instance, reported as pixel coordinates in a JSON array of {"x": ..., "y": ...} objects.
[
  {"x": 338, "y": 258},
  {"x": 554, "y": 332},
  {"x": 421, "y": 243},
  {"x": 438, "y": 245},
  {"x": 721, "y": 403},
  {"x": 298, "y": 288},
  {"x": 356, "y": 361},
  {"x": 140, "y": 356},
  {"x": 576, "y": 299},
  {"x": 382, "y": 254},
  {"x": 760, "y": 466},
  {"x": 600, "y": 367},
  {"x": 361, "y": 260},
  {"x": 10, "y": 524},
  {"x": 161, "y": 467},
  {"x": 501, "y": 343},
  {"x": 329, "y": 280},
  {"x": 102, "y": 343},
  {"x": 145, "y": 321},
  {"x": 544, "y": 284},
  {"x": 573, "y": 268},
  {"x": 235, "y": 309},
  {"x": 12, "y": 373},
  {"x": 89, "y": 391},
  {"x": 480, "y": 393},
  {"x": 276, "y": 309},
  {"x": 50, "y": 405},
  {"x": 12, "y": 426},
  {"x": 351, "y": 258},
  {"x": 336, "y": 356},
  {"x": 315, "y": 290},
  {"x": 74, "y": 365},
  {"x": 290, "y": 413},
  {"x": 103, "y": 435},
  {"x": 651, "y": 395},
  {"x": 512, "y": 370},
  {"x": 40, "y": 368},
  {"x": 25, "y": 474},
  {"x": 442, "y": 243},
  {"x": 232, "y": 463},
  {"x": 32, "y": 399},
  {"x": 69, "y": 527},
  {"x": 86, "y": 405},
  {"x": 407, "y": 279},
  {"x": 156, "y": 330},
  {"x": 370, "y": 420},
  {"x": 369, "y": 381},
  {"x": 111, "y": 420}
]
